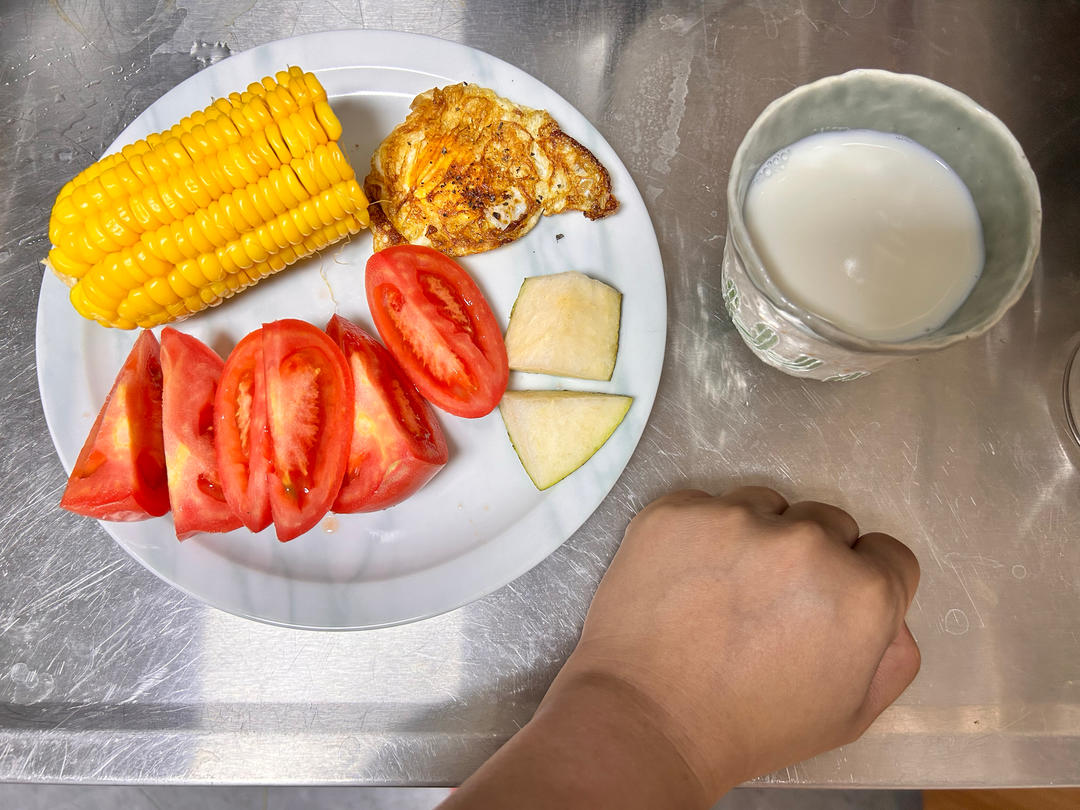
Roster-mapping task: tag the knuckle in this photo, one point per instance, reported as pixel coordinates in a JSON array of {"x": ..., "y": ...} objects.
[
  {"x": 878, "y": 589},
  {"x": 808, "y": 541},
  {"x": 809, "y": 531},
  {"x": 740, "y": 519}
]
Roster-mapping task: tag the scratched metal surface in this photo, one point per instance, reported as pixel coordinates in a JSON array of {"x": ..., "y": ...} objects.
[{"x": 109, "y": 675}]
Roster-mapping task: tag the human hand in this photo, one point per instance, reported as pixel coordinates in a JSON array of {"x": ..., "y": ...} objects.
[{"x": 749, "y": 634}]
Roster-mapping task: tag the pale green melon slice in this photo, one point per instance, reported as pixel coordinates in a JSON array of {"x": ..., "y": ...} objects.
[
  {"x": 565, "y": 324},
  {"x": 555, "y": 432}
]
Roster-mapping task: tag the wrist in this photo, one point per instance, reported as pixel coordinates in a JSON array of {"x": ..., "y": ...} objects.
[{"x": 622, "y": 734}]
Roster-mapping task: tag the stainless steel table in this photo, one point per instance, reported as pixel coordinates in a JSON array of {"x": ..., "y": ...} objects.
[{"x": 109, "y": 675}]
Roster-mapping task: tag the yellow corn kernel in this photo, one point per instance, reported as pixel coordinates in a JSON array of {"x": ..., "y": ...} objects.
[
  {"x": 170, "y": 202},
  {"x": 156, "y": 319},
  {"x": 273, "y": 237},
  {"x": 307, "y": 119},
  {"x": 330, "y": 123},
  {"x": 113, "y": 269},
  {"x": 315, "y": 90},
  {"x": 257, "y": 114},
  {"x": 196, "y": 235},
  {"x": 101, "y": 290},
  {"x": 78, "y": 300},
  {"x": 220, "y": 288},
  {"x": 138, "y": 168},
  {"x": 311, "y": 180},
  {"x": 293, "y": 235},
  {"x": 331, "y": 202},
  {"x": 287, "y": 186},
  {"x": 110, "y": 183},
  {"x": 217, "y": 225},
  {"x": 141, "y": 302},
  {"x": 208, "y": 296},
  {"x": 237, "y": 281},
  {"x": 145, "y": 258},
  {"x": 254, "y": 248},
  {"x": 81, "y": 248},
  {"x": 130, "y": 273},
  {"x": 280, "y": 102},
  {"x": 237, "y": 256},
  {"x": 117, "y": 224},
  {"x": 277, "y": 142},
  {"x": 64, "y": 210},
  {"x": 64, "y": 264},
  {"x": 184, "y": 218},
  {"x": 260, "y": 201},
  {"x": 125, "y": 310},
  {"x": 164, "y": 247},
  {"x": 210, "y": 267},
  {"x": 266, "y": 240},
  {"x": 261, "y": 150},
  {"x": 180, "y": 285},
  {"x": 161, "y": 291},
  {"x": 277, "y": 263},
  {"x": 90, "y": 172},
  {"x": 188, "y": 271}
]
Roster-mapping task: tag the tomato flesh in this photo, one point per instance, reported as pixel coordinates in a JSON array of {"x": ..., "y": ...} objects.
[
  {"x": 439, "y": 327},
  {"x": 309, "y": 406},
  {"x": 397, "y": 445},
  {"x": 241, "y": 435},
  {"x": 191, "y": 372},
  {"x": 120, "y": 473}
]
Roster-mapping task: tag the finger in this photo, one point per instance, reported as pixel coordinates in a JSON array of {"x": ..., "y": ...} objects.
[
  {"x": 837, "y": 523},
  {"x": 760, "y": 499},
  {"x": 895, "y": 671},
  {"x": 894, "y": 559}
]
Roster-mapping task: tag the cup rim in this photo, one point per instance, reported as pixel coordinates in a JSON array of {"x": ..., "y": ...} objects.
[{"x": 824, "y": 329}]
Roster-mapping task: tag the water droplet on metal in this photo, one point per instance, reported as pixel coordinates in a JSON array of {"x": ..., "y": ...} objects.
[{"x": 207, "y": 53}]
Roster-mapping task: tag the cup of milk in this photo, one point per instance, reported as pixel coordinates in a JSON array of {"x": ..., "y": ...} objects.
[{"x": 874, "y": 216}]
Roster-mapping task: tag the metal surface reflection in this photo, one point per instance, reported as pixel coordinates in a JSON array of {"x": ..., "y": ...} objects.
[{"x": 107, "y": 674}]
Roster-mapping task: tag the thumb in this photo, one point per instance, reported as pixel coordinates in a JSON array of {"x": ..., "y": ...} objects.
[{"x": 895, "y": 671}]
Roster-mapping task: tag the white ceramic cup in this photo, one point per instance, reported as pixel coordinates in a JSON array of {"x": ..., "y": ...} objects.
[{"x": 978, "y": 147}]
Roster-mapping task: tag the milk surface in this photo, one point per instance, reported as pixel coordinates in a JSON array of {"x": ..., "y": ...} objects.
[{"x": 870, "y": 230}]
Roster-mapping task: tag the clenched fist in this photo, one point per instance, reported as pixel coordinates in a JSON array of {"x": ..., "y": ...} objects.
[{"x": 731, "y": 636}]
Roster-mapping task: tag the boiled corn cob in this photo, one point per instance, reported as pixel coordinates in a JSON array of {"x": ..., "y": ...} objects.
[{"x": 185, "y": 218}]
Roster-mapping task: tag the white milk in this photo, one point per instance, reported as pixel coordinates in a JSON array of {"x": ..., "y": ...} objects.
[{"x": 870, "y": 230}]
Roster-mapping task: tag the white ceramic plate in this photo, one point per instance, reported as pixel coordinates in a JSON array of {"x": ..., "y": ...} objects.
[{"x": 480, "y": 523}]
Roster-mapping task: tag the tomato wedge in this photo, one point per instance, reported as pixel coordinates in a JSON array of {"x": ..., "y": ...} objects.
[
  {"x": 241, "y": 435},
  {"x": 397, "y": 445},
  {"x": 439, "y": 327},
  {"x": 191, "y": 372},
  {"x": 120, "y": 472},
  {"x": 309, "y": 407}
]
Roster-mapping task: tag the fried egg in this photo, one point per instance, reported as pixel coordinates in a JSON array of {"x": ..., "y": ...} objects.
[{"x": 468, "y": 171}]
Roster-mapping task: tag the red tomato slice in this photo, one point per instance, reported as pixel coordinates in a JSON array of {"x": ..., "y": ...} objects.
[
  {"x": 397, "y": 445},
  {"x": 191, "y": 372},
  {"x": 241, "y": 435},
  {"x": 309, "y": 407},
  {"x": 120, "y": 473},
  {"x": 437, "y": 324}
]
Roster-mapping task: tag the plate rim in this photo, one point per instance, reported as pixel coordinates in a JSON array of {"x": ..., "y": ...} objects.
[{"x": 525, "y": 562}]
